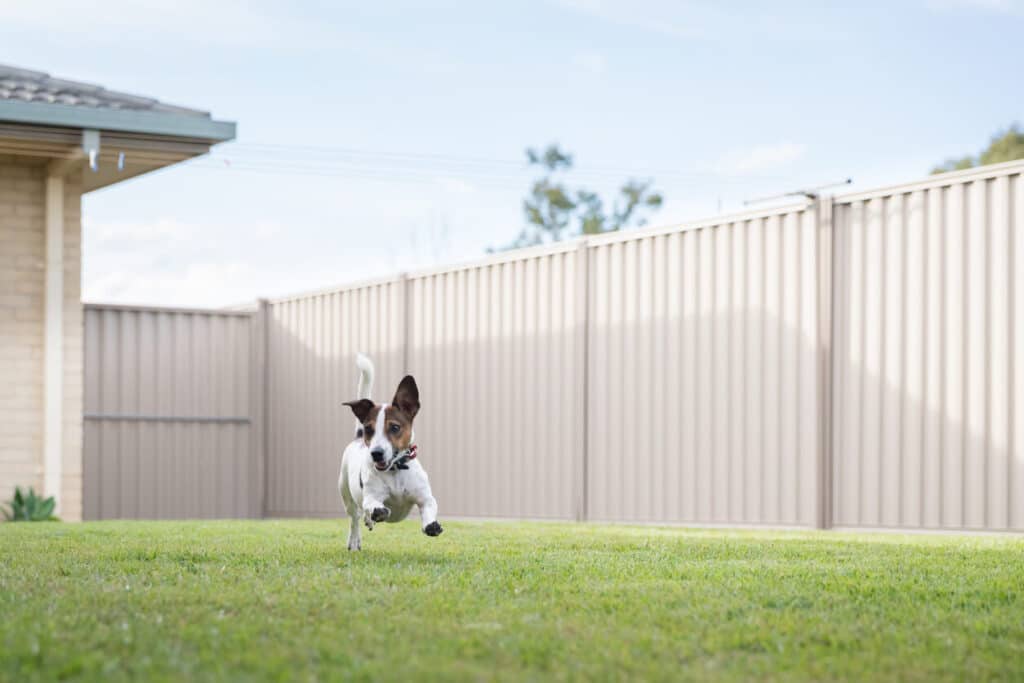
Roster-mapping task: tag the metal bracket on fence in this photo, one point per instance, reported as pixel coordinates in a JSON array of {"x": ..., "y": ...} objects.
[{"x": 167, "y": 418}]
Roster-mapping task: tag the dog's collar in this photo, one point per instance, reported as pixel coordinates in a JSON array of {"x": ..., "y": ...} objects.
[{"x": 404, "y": 457}]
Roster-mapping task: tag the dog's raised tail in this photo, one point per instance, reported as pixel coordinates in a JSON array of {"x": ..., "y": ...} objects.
[{"x": 365, "y": 365}]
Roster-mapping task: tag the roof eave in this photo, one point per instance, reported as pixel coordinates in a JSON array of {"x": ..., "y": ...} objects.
[{"x": 123, "y": 120}]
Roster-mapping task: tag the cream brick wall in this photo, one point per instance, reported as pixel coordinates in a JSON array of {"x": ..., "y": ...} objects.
[{"x": 22, "y": 283}]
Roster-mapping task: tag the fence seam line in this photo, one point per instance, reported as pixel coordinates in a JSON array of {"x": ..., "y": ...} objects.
[
  {"x": 264, "y": 397},
  {"x": 403, "y": 278},
  {"x": 583, "y": 250},
  {"x": 824, "y": 218}
]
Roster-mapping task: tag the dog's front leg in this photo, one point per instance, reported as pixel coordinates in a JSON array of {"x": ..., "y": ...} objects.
[
  {"x": 428, "y": 514},
  {"x": 374, "y": 509},
  {"x": 374, "y": 493}
]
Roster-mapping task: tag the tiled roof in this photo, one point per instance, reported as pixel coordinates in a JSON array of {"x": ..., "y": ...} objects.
[{"x": 35, "y": 86}]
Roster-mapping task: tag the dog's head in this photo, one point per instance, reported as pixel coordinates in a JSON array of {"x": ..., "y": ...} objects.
[{"x": 387, "y": 429}]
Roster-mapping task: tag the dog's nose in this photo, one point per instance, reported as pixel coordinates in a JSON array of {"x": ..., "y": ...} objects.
[{"x": 377, "y": 454}]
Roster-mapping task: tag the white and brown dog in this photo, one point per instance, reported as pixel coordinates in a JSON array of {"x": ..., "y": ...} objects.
[{"x": 380, "y": 477}]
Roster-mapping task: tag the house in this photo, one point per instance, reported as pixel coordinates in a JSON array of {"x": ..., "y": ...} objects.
[{"x": 60, "y": 139}]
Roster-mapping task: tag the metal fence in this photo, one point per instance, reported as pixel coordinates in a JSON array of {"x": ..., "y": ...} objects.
[
  {"x": 497, "y": 350},
  {"x": 845, "y": 362},
  {"x": 929, "y": 354},
  {"x": 312, "y": 342},
  {"x": 171, "y": 414},
  {"x": 703, "y": 391}
]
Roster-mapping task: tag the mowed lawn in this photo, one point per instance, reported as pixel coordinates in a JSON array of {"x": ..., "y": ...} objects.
[{"x": 284, "y": 600}]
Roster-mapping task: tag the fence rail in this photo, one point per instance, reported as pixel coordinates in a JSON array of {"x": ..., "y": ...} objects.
[
  {"x": 167, "y": 418},
  {"x": 852, "y": 361}
]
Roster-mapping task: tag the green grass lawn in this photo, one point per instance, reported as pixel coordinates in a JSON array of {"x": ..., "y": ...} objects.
[{"x": 285, "y": 600}]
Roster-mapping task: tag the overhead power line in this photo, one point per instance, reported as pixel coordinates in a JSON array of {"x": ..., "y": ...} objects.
[
  {"x": 315, "y": 159},
  {"x": 809, "y": 193},
  {"x": 441, "y": 176}
]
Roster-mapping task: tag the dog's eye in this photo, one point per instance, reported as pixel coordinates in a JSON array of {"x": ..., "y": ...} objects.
[
  {"x": 395, "y": 428},
  {"x": 368, "y": 430}
]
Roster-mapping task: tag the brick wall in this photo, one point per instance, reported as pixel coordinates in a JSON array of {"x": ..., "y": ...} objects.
[{"x": 22, "y": 283}]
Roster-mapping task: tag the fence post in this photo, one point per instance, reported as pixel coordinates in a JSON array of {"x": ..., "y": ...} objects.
[
  {"x": 406, "y": 314},
  {"x": 260, "y": 391},
  {"x": 826, "y": 290},
  {"x": 583, "y": 354}
]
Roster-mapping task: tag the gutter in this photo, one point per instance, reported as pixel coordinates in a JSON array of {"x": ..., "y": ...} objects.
[{"x": 122, "y": 120}]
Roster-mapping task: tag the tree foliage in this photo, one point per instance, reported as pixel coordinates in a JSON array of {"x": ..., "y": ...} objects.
[
  {"x": 1005, "y": 146},
  {"x": 554, "y": 211}
]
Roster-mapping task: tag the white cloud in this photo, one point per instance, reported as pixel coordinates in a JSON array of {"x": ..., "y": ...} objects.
[
  {"x": 653, "y": 16},
  {"x": 203, "y": 285},
  {"x": 995, "y": 6},
  {"x": 591, "y": 62},
  {"x": 760, "y": 157},
  {"x": 162, "y": 230},
  {"x": 217, "y": 263},
  {"x": 172, "y": 262},
  {"x": 125, "y": 25},
  {"x": 691, "y": 20},
  {"x": 166, "y": 233},
  {"x": 225, "y": 22}
]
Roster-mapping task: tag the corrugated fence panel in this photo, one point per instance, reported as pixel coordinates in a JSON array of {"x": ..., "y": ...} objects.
[
  {"x": 496, "y": 350},
  {"x": 168, "y": 431},
  {"x": 704, "y": 373},
  {"x": 927, "y": 383},
  {"x": 313, "y": 340},
  {"x": 667, "y": 376}
]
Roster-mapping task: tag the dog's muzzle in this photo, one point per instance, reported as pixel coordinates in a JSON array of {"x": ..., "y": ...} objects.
[
  {"x": 399, "y": 462},
  {"x": 378, "y": 459}
]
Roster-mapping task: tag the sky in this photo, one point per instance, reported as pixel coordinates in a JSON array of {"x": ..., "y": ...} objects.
[{"x": 375, "y": 138}]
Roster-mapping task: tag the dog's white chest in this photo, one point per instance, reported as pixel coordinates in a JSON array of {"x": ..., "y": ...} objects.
[
  {"x": 400, "y": 507},
  {"x": 399, "y": 498}
]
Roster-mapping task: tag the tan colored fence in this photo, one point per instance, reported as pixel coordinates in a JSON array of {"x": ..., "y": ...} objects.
[
  {"x": 929, "y": 354},
  {"x": 171, "y": 414},
  {"x": 312, "y": 342},
  {"x": 487, "y": 348},
  {"x": 497, "y": 351},
  {"x": 704, "y": 373},
  {"x": 849, "y": 361}
]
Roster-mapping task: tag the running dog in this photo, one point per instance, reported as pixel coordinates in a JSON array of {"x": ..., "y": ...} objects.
[{"x": 381, "y": 479}]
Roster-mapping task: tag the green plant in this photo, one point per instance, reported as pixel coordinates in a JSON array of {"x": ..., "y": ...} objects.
[{"x": 30, "y": 507}]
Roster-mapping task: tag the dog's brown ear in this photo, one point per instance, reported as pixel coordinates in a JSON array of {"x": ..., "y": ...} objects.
[
  {"x": 407, "y": 397},
  {"x": 361, "y": 408}
]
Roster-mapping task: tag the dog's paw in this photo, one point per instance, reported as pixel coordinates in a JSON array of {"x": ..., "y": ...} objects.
[
  {"x": 433, "y": 529},
  {"x": 380, "y": 514}
]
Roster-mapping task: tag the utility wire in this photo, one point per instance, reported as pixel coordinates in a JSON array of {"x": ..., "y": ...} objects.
[
  {"x": 284, "y": 167},
  {"x": 271, "y": 154},
  {"x": 430, "y": 177}
]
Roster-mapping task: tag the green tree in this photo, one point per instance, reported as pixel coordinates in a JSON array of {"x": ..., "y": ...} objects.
[
  {"x": 554, "y": 211},
  {"x": 1004, "y": 146}
]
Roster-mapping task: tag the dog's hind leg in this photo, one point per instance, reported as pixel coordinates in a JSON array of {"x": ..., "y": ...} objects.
[
  {"x": 355, "y": 541},
  {"x": 354, "y": 532}
]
